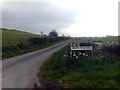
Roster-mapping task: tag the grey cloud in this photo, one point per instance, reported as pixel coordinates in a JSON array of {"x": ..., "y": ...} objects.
[{"x": 36, "y": 17}]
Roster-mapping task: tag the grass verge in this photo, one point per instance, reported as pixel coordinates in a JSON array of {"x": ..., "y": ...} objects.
[
  {"x": 99, "y": 72},
  {"x": 15, "y": 42},
  {"x": 19, "y": 51}
]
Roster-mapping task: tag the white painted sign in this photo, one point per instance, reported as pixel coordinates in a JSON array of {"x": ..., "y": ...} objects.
[{"x": 81, "y": 47}]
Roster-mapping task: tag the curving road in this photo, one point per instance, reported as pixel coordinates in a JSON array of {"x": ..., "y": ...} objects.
[{"x": 20, "y": 71}]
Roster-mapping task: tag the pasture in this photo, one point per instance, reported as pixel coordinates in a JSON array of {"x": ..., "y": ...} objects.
[
  {"x": 16, "y": 42},
  {"x": 13, "y": 37},
  {"x": 106, "y": 39}
]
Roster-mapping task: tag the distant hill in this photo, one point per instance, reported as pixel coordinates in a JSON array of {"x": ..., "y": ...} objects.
[{"x": 14, "y": 37}]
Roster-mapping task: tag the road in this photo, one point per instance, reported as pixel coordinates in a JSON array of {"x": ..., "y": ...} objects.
[{"x": 20, "y": 71}]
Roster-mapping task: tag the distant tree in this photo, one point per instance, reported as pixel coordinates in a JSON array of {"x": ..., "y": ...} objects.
[
  {"x": 45, "y": 35},
  {"x": 42, "y": 33},
  {"x": 53, "y": 34},
  {"x": 63, "y": 35}
]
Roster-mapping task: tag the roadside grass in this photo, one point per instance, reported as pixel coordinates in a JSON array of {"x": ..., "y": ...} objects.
[
  {"x": 99, "y": 72},
  {"x": 19, "y": 51}
]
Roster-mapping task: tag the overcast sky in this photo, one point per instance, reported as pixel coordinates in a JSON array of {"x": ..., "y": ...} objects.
[{"x": 69, "y": 17}]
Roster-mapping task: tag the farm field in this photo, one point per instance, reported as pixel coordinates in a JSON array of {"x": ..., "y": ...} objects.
[
  {"x": 14, "y": 37},
  {"x": 16, "y": 42},
  {"x": 101, "y": 71},
  {"x": 107, "y": 39}
]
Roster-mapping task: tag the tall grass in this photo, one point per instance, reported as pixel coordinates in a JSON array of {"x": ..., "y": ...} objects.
[{"x": 99, "y": 72}]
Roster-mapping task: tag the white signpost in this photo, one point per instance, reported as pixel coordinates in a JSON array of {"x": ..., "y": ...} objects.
[{"x": 81, "y": 48}]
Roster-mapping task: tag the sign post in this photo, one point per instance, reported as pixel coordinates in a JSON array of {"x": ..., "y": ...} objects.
[{"x": 82, "y": 48}]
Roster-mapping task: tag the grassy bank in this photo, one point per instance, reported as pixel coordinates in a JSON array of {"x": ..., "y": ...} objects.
[
  {"x": 14, "y": 37},
  {"x": 16, "y": 42},
  {"x": 99, "y": 72},
  {"x": 15, "y": 50}
]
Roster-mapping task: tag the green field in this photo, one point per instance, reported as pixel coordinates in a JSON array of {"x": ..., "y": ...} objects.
[
  {"x": 16, "y": 42},
  {"x": 13, "y": 37},
  {"x": 10, "y": 40},
  {"x": 99, "y": 72},
  {"x": 107, "y": 39}
]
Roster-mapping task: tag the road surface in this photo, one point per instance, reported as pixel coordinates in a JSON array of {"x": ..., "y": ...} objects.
[{"x": 19, "y": 71}]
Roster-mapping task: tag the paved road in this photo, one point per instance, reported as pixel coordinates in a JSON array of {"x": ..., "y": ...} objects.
[{"x": 19, "y": 71}]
